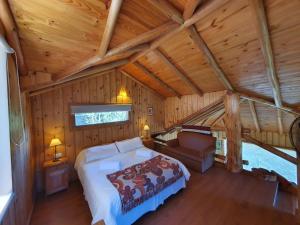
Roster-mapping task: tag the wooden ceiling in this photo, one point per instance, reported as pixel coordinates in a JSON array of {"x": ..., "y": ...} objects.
[{"x": 176, "y": 47}]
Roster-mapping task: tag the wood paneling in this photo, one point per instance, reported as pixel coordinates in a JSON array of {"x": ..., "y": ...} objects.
[
  {"x": 20, "y": 210},
  {"x": 51, "y": 115},
  {"x": 177, "y": 109}
]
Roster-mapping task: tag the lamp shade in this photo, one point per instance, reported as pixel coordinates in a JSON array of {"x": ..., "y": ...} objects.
[
  {"x": 55, "y": 142},
  {"x": 146, "y": 127}
]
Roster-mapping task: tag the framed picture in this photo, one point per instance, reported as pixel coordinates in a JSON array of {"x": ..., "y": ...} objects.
[{"x": 150, "y": 111}]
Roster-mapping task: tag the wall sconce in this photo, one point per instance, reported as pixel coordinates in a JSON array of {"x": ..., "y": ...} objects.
[{"x": 122, "y": 97}]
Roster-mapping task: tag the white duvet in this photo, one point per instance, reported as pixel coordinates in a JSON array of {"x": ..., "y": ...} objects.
[{"x": 103, "y": 198}]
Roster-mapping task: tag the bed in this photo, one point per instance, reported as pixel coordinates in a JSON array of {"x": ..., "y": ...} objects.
[{"x": 102, "y": 196}]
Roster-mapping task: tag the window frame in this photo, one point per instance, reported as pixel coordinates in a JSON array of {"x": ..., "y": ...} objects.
[{"x": 111, "y": 124}]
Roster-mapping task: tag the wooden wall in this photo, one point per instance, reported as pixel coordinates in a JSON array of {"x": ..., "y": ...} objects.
[
  {"x": 20, "y": 210},
  {"x": 177, "y": 109},
  {"x": 51, "y": 115}
]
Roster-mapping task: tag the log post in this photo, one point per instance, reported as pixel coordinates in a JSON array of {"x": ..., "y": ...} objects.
[{"x": 233, "y": 132}]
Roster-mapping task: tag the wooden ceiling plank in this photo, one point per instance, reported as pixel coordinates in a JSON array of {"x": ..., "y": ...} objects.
[
  {"x": 190, "y": 7},
  {"x": 155, "y": 92},
  {"x": 143, "y": 38},
  {"x": 157, "y": 79},
  {"x": 168, "y": 9},
  {"x": 206, "y": 8},
  {"x": 11, "y": 31},
  {"x": 110, "y": 26},
  {"x": 259, "y": 12},
  {"x": 269, "y": 103},
  {"x": 202, "y": 46},
  {"x": 177, "y": 72},
  {"x": 128, "y": 47},
  {"x": 254, "y": 115}
]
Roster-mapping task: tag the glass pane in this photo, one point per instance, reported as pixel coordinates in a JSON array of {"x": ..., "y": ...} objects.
[{"x": 84, "y": 119}]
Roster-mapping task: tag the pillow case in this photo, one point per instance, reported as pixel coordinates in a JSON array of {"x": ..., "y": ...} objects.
[
  {"x": 110, "y": 165},
  {"x": 129, "y": 144},
  {"x": 100, "y": 152}
]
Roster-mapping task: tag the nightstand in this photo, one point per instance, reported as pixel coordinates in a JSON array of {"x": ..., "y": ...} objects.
[
  {"x": 56, "y": 176},
  {"x": 149, "y": 143}
]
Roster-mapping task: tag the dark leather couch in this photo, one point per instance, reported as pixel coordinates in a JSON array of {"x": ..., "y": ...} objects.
[{"x": 195, "y": 150}]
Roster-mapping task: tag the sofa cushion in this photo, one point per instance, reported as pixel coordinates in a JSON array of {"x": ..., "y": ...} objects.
[
  {"x": 195, "y": 141},
  {"x": 187, "y": 152}
]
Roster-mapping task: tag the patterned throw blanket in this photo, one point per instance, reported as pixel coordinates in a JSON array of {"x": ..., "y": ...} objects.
[{"x": 140, "y": 182}]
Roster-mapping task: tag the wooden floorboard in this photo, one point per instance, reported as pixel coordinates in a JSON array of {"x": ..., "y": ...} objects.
[{"x": 215, "y": 198}]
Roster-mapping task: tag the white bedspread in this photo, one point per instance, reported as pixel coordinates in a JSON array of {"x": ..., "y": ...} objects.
[{"x": 103, "y": 198}]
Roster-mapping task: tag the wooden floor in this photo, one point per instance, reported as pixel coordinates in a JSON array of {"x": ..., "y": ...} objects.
[{"x": 216, "y": 198}]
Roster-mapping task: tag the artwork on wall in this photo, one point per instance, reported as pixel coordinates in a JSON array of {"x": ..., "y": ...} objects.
[{"x": 150, "y": 111}]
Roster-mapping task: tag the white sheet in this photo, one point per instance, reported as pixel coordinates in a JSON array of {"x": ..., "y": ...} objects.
[{"x": 103, "y": 198}]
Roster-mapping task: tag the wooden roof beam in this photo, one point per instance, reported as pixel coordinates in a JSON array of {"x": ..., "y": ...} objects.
[
  {"x": 202, "y": 46},
  {"x": 269, "y": 103},
  {"x": 155, "y": 92},
  {"x": 218, "y": 119},
  {"x": 177, "y": 72},
  {"x": 129, "y": 47},
  {"x": 11, "y": 31},
  {"x": 254, "y": 115},
  {"x": 110, "y": 26},
  {"x": 83, "y": 74},
  {"x": 280, "y": 121},
  {"x": 266, "y": 47},
  {"x": 168, "y": 9},
  {"x": 207, "y": 8},
  {"x": 157, "y": 79},
  {"x": 143, "y": 38},
  {"x": 190, "y": 7}
]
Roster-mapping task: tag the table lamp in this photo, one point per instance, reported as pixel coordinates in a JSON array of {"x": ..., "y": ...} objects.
[
  {"x": 55, "y": 142},
  {"x": 147, "y": 131}
]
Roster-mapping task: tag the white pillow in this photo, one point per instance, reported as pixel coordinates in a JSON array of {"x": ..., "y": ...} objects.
[
  {"x": 129, "y": 144},
  {"x": 144, "y": 153},
  {"x": 110, "y": 165},
  {"x": 100, "y": 152}
]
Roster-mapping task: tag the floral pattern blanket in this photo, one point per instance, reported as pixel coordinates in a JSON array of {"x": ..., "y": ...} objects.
[{"x": 140, "y": 182}]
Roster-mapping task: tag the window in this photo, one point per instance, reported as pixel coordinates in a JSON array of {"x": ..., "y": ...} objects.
[
  {"x": 86, "y": 115},
  {"x": 5, "y": 159}
]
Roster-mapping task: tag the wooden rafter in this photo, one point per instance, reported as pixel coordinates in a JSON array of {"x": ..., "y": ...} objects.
[
  {"x": 203, "y": 11},
  {"x": 142, "y": 84},
  {"x": 280, "y": 121},
  {"x": 11, "y": 33},
  {"x": 168, "y": 9},
  {"x": 138, "y": 43},
  {"x": 202, "y": 46},
  {"x": 206, "y": 8},
  {"x": 110, "y": 26},
  {"x": 270, "y": 149},
  {"x": 143, "y": 38},
  {"x": 218, "y": 119},
  {"x": 177, "y": 72},
  {"x": 156, "y": 78},
  {"x": 266, "y": 47},
  {"x": 190, "y": 7},
  {"x": 269, "y": 103},
  {"x": 254, "y": 115},
  {"x": 86, "y": 73}
]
